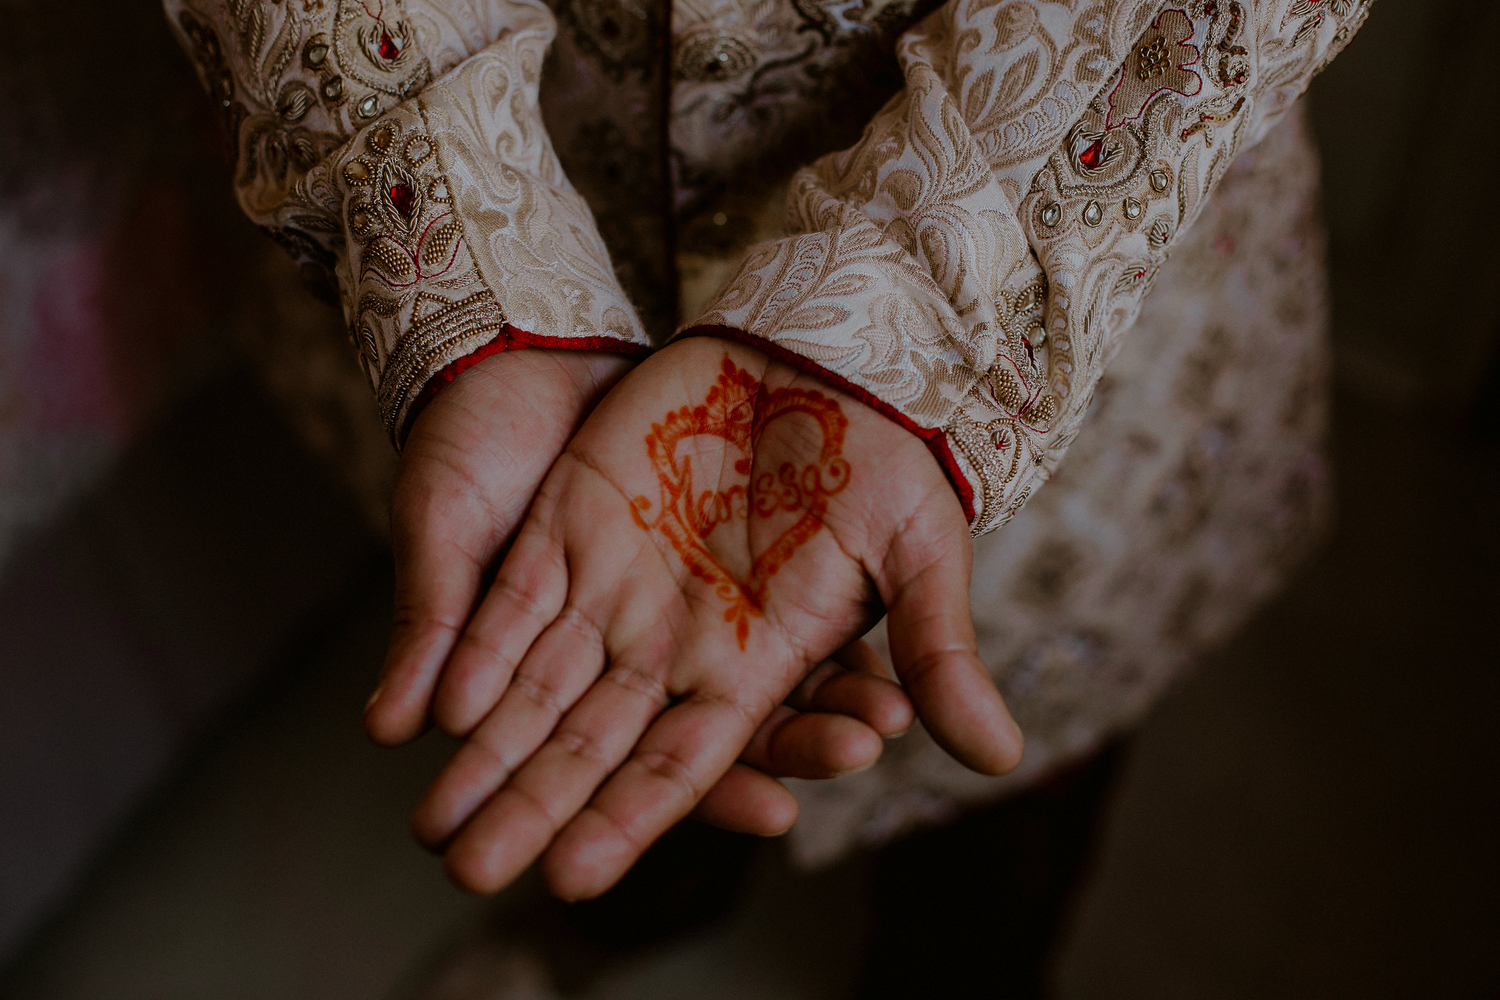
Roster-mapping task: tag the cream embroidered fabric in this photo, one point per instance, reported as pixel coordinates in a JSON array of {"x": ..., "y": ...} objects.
[
  {"x": 1071, "y": 142},
  {"x": 1196, "y": 488},
  {"x": 974, "y": 261},
  {"x": 438, "y": 204}
]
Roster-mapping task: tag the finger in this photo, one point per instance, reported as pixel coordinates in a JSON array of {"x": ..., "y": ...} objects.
[
  {"x": 557, "y": 671},
  {"x": 860, "y": 657},
  {"x": 514, "y": 827},
  {"x": 791, "y": 744},
  {"x": 879, "y": 703},
  {"x": 936, "y": 653},
  {"x": 560, "y": 665},
  {"x": 855, "y": 682},
  {"x": 818, "y": 745},
  {"x": 440, "y": 556},
  {"x": 684, "y": 754},
  {"x": 757, "y": 752},
  {"x": 747, "y": 801},
  {"x": 528, "y": 593},
  {"x": 873, "y": 699}
]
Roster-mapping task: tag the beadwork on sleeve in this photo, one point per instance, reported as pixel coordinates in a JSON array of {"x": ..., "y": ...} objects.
[
  {"x": 397, "y": 151},
  {"x": 972, "y": 264}
]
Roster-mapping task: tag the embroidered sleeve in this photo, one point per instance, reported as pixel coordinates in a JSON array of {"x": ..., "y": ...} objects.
[
  {"x": 395, "y": 147},
  {"x": 972, "y": 264}
]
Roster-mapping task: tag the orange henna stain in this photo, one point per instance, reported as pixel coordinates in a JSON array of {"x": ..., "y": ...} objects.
[{"x": 738, "y": 408}]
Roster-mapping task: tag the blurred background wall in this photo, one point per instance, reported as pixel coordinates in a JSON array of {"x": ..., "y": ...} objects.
[
  {"x": 1414, "y": 259},
  {"x": 184, "y": 584}
]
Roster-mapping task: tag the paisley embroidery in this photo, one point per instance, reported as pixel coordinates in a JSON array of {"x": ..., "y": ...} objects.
[
  {"x": 973, "y": 260},
  {"x": 1051, "y": 159},
  {"x": 351, "y": 156}
]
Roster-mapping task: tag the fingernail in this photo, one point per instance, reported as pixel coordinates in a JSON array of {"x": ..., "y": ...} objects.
[
  {"x": 1018, "y": 741},
  {"x": 857, "y": 770},
  {"x": 380, "y": 690},
  {"x": 897, "y": 736}
]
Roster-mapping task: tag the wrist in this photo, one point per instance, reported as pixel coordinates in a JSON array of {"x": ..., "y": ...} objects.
[{"x": 584, "y": 374}]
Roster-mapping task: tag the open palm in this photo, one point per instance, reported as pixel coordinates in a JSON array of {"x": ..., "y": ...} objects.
[
  {"x": 472, "y": 465},
  {"x": 720, "y": 525}
]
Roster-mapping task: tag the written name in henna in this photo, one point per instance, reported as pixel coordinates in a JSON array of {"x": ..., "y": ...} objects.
[{"x": 738, "y": 409}]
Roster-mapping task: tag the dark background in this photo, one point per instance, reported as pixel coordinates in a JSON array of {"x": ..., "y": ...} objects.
[{"x": 188, "y": 808}]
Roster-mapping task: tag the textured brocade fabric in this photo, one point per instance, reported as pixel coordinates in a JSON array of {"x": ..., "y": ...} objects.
[
  {"x": 1196, "y": 488},
  {"x": 973, "y": 262},
  {"x": 1197, "y": 481},
  {"x": 399, "y": 147}
]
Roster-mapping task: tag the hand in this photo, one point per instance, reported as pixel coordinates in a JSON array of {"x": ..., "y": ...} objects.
[
  {"x": 472, "y": 464},
  {"x": 718, "y": 527}
]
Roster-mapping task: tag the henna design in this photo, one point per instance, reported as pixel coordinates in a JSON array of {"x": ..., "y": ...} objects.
[{"x": 738, "y": 408}]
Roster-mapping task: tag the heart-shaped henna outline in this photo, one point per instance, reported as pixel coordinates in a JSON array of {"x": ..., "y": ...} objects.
[{"x": 738, "y": 408}]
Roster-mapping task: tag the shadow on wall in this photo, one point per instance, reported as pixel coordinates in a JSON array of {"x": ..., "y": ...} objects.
[
  {"x": 129, "y": 625},
  {"x": 130, "y": 278},
  {"x": 1414, "y": 262}
]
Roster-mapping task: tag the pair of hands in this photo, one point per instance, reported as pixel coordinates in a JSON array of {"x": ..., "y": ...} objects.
[{"x": 685, "y": 552}]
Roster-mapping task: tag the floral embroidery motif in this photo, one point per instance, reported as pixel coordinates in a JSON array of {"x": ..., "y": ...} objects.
[
  {"x": 972, "y": 261},
  {"x": 910, "y": 252},
  {"x": 1159, "y": 63},
  {"x": 759, "y": 82},
  {"x": 352, "y": 157},
  {"x": 1315, "y": 8},
  {"x": 406, "y": 221}
]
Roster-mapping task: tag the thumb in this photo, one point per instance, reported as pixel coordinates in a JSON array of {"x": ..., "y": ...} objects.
[{"x": 925, "y": 584}]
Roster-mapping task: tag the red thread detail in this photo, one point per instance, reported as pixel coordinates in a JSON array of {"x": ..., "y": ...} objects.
[
  {"x": 1109, "y": 123},
  {"x": 1034, "y": 394},
  {"x": 512, "y": 339},
  {"x": 416, "y": 258},
  {"x": 935, "y": 439}
]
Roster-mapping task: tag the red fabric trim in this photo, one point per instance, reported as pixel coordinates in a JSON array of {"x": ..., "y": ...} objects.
[
  {"x": 935, "y": 439},
  {"x": 512, "y": 339}
]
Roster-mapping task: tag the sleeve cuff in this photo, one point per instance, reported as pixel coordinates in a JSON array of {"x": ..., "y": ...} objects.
[
  {"x": 971, "y": 267},
  {"x": 403, "y": 150},
  {"x": 463, "y": 231},
  {"x": 509, "y": 339}
]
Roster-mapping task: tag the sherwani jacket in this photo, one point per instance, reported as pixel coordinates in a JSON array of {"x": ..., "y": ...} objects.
[{"x": 956, "y": 214}]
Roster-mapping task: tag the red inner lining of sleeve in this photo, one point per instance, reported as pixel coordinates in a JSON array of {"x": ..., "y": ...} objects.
[{"x": 512, "y": 339}]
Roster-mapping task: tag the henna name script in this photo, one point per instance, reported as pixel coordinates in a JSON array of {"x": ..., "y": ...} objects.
[{"x": 738, "y": 409}]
